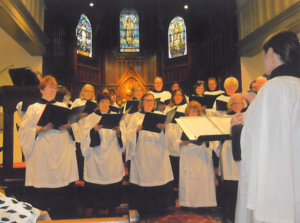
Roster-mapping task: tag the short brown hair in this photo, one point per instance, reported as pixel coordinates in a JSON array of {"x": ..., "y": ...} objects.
[
  {"x": 193, "y": 105},
  {"x": 198, "y": 84},
  {"x": 47, "y": 80},
  {"x": 141, "y": 105}
]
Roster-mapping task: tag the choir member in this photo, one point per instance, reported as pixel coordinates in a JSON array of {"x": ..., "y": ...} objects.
[
  {"x": 150, "y": 173},
  {"x": 103, "y": 164},
  {"x": 178, "y": 101},
  {"x": 198, "y": 94},
  {"x": 113, "y": 98},
  {"x": 269, "y": 185},
  {"x": 253, "y": 86},
  {"x": 211, "y": 94},
  {"x": 196, "y": 179},
  {"x": 212, "y": 84},
  {"x": 260, "y": 81},
  {"x": 228, "y": 167},
  {"x": 163, "y": 97},
  {"x": 49, "y": 155},
  {"x": 137, "y": 92},
  {"x": 175, "y": 86},
  {"x": 231, "y": 85},
  {"x": 87, "y": 93}
]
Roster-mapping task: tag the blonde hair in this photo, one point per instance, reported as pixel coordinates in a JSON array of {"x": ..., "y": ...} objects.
[
  {"x": 233, "y": 97},
  {"x": 141, "y": 105},
  {"x": 134, "y": 86},
  {"x": 84, "y": 88},
  {"x": 231, "y": 81},
  {"x": 193, "y": 105}
]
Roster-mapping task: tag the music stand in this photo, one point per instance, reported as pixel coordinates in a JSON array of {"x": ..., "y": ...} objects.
[{"x": 23, "y": 76}]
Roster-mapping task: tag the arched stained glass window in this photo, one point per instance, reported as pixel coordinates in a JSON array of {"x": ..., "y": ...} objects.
[
  {"x": 177, "y": 38},
  {"x": 84, "y": 36},
  {"x": 129, "y": 31}
]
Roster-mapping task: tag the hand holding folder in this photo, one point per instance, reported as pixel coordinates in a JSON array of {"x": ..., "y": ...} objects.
[
  {"x": 151, "y": 120},
  {"x": 89, "y": 107},
  {"x": 111, "y": 120},
  {"x": 56, "y": 115}
]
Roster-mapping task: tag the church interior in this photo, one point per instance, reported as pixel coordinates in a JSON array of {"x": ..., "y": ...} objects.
[{"x": 222, "y": 38}]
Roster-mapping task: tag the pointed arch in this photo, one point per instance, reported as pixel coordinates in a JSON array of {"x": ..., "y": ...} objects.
[
  {"x": 84, "y": 36},
  {"x": 129, "y": 31},
  {"x": 177, "y": 40}
]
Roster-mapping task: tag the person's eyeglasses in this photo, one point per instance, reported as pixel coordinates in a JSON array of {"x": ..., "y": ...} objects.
[
  {"x": 89, "y": 91},
  {"x": 52, "y": 87},
  {"x": 147, "y": 100},
  {"x": 237, "y": 103}
]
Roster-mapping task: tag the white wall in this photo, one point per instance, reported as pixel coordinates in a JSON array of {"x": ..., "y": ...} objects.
[
  {"x": 12, "y": 53},
  {"x": 251, "y": 68}
]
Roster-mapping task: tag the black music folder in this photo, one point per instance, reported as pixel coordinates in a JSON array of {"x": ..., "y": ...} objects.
[
  {"x": 109, "y": 120},
  {"x": 221, "y": 105},
  {"x": 177, "y": 115},
  {"x": 204, "y": 128},
  {"x": 54, "y": 114},
  {"x": 152, "y": 119},
  {"x": 199, "y": 99},
  {"x": 90, "y": 107},
  {"x": 23, "y": 77},
  {"x": 210, "y": 97},
  {"x": 133, "y": 104},
  {"x": 115, "y": 109},
  {"x": 74, "y": 113}
]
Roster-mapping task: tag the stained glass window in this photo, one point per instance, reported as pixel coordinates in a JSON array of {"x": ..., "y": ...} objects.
[
  {"x": 129, "y": 31},
  {"x": 84, "y": 36},
  {"x": 177, "y": 38}
]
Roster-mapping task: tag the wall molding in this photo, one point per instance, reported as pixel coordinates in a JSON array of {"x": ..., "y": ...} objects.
[
  {"x": 21, "y": 26},
  {"x": 288, "y": 19}
]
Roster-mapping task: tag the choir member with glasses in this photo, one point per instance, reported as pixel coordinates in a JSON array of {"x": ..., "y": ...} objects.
[
  {"x": 150, "y": 172},
  {"x": 51, "y": 166}
]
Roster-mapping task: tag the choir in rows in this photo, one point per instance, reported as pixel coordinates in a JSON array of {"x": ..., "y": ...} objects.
[{"x": 158, "y": 162}]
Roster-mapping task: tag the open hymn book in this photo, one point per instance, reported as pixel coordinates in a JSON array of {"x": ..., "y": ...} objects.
[{"x": 204, "y": 128}]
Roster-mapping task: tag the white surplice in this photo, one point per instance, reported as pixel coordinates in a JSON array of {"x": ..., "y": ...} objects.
[
  {"x": 78, "y": 126},
  {"x": 164, "y": 95},
  {"x": 150, "y": 162},
  {"x": 269, "y": 186},
  {"x": 196, "y": 174},
  {"x": 102, "y": 164},
  {"x": 180, "y": 108},
  {"x": 50, "y": 156}
]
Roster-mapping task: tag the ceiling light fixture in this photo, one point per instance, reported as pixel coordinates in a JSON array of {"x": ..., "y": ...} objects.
[
  {"x": 91, "y": 4},
  {"x": 186, "y": 7}
]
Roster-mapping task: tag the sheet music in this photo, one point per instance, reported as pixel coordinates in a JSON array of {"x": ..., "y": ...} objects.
[{"x": 202, "y": 126}]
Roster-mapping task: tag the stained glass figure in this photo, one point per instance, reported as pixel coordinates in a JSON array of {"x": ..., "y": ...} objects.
[
  {"x": 177, "y": 38},
  {"x": 129, "y": 31},
  {"x": 84, "y": 36}
]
